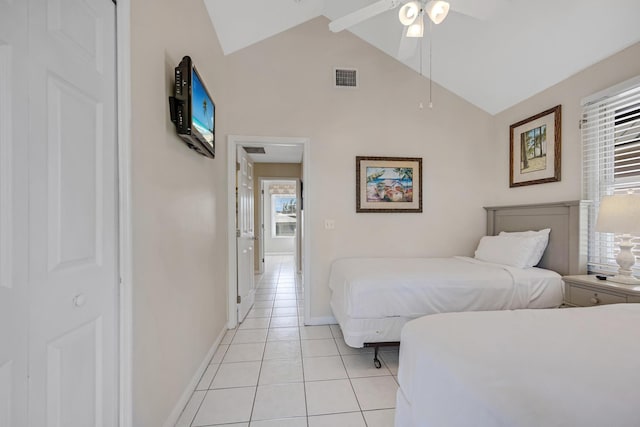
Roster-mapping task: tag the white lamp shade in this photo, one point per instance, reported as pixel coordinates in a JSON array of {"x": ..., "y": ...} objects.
[
  {"x": 619, "y": 213},
  {"x": 409, "y": 12},
  {"x": 417, "y": 28},
  {"x": 437, "y": 10}
]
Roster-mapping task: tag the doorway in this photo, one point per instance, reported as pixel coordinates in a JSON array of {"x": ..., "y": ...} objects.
[
  {"x": 284, "y": 150},
  {"x": 278, "y": 216}
]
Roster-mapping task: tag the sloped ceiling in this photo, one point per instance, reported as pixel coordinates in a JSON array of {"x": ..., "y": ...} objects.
[{"x": 520, "y": 49}]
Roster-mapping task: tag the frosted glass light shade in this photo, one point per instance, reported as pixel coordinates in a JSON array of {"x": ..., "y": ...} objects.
[
  {"x": 409, "y": 12},
  {"x": 417, "y": 28},
  {"x": 619, "y": 213},
  {"x": 437, "y": 10}
]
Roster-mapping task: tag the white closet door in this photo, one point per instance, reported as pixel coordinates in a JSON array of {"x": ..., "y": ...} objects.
[{"x": 72, "y": 214}]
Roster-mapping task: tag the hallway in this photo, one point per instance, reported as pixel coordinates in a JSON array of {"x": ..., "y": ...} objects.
[{"x": 272, "y": 371}]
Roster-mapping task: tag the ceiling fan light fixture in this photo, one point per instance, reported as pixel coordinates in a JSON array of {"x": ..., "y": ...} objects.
[
  {"x": 417, "y": 28},
  {"x": 437, "y": 10},
  {"x": 409, "y": 12}
]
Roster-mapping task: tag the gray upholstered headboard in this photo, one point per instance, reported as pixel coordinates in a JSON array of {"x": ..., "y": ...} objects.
[{"x": 567, "y": 249}]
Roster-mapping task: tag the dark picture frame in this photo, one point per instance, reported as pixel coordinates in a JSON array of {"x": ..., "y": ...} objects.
[
  {"x": 535, "y": 149},
  {"x": 388, "y": 184}
]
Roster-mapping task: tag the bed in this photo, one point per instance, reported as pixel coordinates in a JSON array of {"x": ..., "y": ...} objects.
[
  {"x": 566, "y": 367},
  {"x": 372, "y": 298}
]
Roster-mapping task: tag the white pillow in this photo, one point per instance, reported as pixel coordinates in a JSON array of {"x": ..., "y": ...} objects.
[
  {"x": 542, "y": 239},
  {"x": 516, "y": 251}
]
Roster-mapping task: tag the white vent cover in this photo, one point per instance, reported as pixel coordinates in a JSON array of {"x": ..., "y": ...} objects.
[{"x": 346, "y": 77}]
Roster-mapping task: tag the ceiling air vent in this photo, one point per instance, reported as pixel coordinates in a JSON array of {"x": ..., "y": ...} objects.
[
  {"x": 254, "y": 150},
  {"x": 346, "y": 77}
]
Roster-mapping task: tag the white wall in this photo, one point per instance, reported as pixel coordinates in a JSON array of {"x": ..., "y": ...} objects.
[
  {"x": 179, "y": 211},
  {"x": 283, "y": 87}
]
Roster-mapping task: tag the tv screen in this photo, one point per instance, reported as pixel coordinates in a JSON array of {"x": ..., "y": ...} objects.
[
  {"x": 193, "y": 110},
  {"x": 202, "y": 109}
]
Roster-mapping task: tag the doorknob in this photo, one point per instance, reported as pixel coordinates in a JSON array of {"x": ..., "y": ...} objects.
[
  {"x": 79, "y": 300},
  {"x": 244, "y": 251}
]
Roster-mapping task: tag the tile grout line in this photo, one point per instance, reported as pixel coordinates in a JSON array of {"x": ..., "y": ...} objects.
[
  {"x": 304, "y": 381},
  {"x": 195, "y": 414},
  {"x": 350, "y": 382},
  {"x": 255, "y": 396}
]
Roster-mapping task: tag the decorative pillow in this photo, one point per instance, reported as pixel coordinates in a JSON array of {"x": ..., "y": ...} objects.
[
  {"x": 543, "y": 241},
  {"x": 516, "y": 251}
]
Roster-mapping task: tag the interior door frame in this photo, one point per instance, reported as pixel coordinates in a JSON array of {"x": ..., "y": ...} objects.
[
  {"x": 233, "y": 141},
  {"x": 262, "y": 180},
  {"x": 261, "y": 227},
  {"x": 125, "y": 309}
]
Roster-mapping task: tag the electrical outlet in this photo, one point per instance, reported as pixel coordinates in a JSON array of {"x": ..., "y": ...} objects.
[{"x": 329, "y": 224}]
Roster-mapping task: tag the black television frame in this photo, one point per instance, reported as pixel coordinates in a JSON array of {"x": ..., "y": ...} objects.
[{"x": 180, "y": 108}]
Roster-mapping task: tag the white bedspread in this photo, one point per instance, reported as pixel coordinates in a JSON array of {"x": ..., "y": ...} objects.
[
  {"x": 562, "y": 367},
  {"x": 412, "y": 287}
]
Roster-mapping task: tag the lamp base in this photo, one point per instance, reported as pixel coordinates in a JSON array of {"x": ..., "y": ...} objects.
[{"x": 625, "y": 259}]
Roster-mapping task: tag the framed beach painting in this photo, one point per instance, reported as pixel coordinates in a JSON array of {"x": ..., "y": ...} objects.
[
  {"x": 535, "y": 149},
  {"x": 388, "y": 184}
]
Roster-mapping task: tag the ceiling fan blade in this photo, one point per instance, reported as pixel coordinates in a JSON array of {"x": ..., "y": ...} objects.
[
  {"x": 482, "y": 10},
  {"x": 407, "y": 47},
  {"x": 363, "y": 14}
]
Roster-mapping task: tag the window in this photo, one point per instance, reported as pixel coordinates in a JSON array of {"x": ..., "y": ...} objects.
[
  {"x": 611, "y": 160},
  {"x": 283, "y": 215}
]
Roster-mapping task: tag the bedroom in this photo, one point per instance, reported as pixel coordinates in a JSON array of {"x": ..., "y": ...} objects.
[
  {"x": 260, "y": 87},
  {"x": 281, "y": 86}
]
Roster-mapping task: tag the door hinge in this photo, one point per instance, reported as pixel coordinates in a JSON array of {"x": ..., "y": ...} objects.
[
  {"x": 238, "y": 233},
  {"x": 263, "y": 260},
  {"x": 239, "y": 299}
]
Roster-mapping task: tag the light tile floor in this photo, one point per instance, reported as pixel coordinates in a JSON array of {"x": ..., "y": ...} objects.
[{"x": 272, "y": 371}]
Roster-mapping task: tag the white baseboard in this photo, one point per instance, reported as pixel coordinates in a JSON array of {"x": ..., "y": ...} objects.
[
  {"x": 186, "y": 395},
  {"x": 313, "y": 321}
]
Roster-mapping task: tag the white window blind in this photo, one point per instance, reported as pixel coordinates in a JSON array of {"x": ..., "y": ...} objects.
[{"x": 611, "y": 161}]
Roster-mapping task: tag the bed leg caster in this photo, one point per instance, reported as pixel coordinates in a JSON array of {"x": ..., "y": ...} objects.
[{"x": 376, "y": 361}]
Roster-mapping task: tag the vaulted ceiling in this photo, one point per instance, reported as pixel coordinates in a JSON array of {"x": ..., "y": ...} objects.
[{"x": 518, "y": 49}]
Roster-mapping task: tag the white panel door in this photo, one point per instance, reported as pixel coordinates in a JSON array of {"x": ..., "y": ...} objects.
[
  {"x": 245, "y": 234},
  {"x": 14, "y": 295},
  {"x": 72, "y": 214}
]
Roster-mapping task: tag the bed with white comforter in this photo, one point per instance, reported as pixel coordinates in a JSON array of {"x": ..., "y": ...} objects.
[
  {"x": 372, "y": 298},
  {"x": 567, "y": 367}
]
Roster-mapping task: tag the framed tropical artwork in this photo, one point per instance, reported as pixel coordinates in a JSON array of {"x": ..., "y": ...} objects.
[
  {"x": 535, "y": 149},
  {"x": 388, "y": 184}
]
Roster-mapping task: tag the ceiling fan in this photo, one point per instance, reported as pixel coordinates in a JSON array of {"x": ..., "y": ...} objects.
[{"x": 411, "y": 15}]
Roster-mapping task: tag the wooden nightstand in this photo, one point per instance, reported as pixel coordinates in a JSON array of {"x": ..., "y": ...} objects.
[{"x": 587, "y": 291}]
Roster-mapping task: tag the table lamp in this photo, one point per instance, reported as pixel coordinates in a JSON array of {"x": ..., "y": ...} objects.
[{"x": 620, "y": 214}]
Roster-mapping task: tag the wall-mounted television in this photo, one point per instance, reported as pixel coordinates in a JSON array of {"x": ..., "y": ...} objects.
[{"x": 192, "y": 109}]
